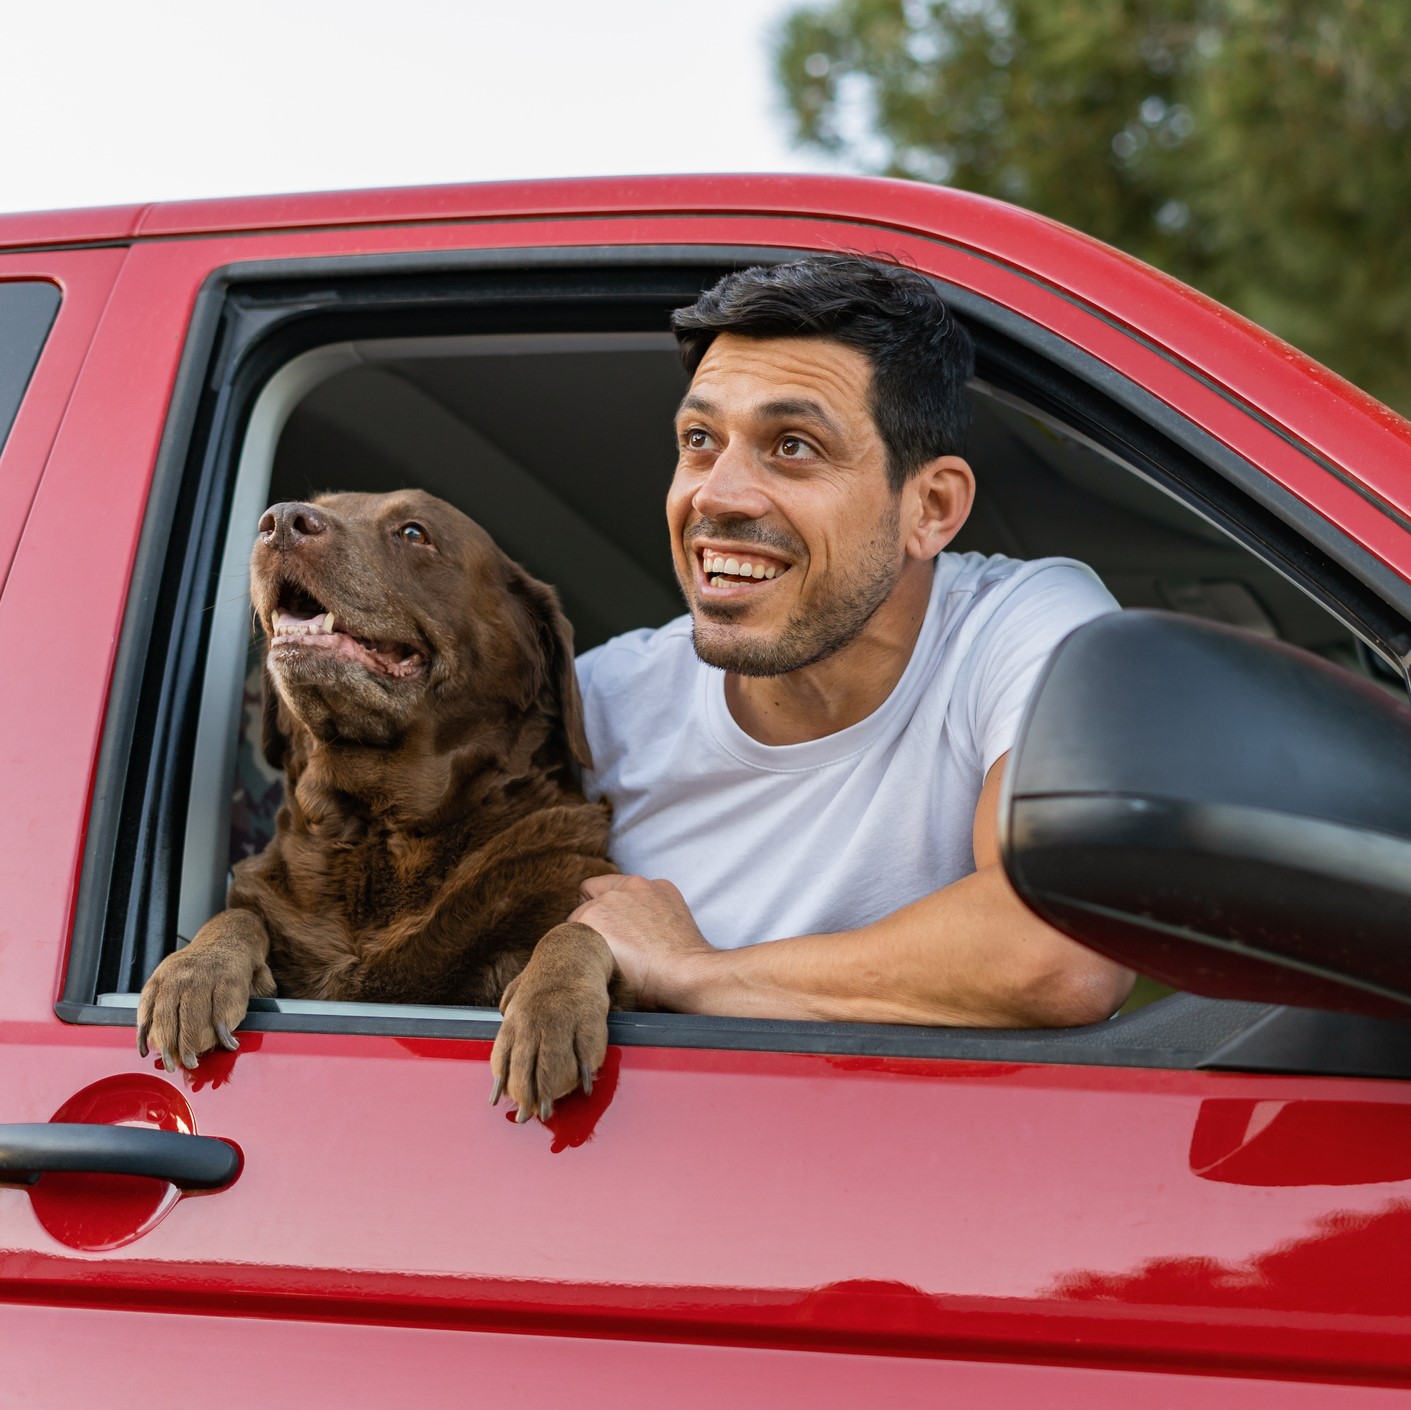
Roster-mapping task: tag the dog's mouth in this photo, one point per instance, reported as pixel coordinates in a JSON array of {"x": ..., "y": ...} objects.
[{"x": 300, "y": 626}]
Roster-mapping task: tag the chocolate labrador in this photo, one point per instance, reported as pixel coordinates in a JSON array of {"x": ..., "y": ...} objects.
[{"x": 421, "y": 700}]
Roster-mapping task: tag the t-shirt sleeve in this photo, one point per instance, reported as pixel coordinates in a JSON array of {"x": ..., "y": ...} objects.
[
  {"x": 605, "y": 675},
  {"x": 1035, "y": 615},
  {"x": 583, "y": 665},
  {"x": 597, "y": 743}
]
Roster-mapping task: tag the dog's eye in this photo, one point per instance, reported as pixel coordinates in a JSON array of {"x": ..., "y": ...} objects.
[{"x": 414, "y": 533}]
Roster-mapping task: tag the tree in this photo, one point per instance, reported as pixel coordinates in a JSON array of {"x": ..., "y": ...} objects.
[{"x": 1257, "y": 149}]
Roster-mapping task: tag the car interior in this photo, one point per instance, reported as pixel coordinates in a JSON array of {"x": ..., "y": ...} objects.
[{"x": 559, "y": 442}]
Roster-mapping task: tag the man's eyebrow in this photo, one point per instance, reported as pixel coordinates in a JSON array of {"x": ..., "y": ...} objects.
[
  {"x": 784, "y": 409},
  {"x": 691, "y": 402},
  {"x": 800, "y": 409}
]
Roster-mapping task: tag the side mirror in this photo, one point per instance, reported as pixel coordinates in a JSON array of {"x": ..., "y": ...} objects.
[{"x": 1229, "y": 815}]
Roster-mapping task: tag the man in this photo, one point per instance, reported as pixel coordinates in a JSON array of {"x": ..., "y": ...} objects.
[{"x": 813, "y": 757}]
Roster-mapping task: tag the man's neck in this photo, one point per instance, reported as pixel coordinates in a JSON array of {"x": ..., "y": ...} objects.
[{"x": 843, "y": 688}]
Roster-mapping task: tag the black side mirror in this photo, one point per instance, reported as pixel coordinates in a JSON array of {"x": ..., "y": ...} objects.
[{"x": 1229, "y": 815}]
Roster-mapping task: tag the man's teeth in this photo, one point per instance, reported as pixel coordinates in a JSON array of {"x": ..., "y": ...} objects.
[{"x": 735, "y": 568}]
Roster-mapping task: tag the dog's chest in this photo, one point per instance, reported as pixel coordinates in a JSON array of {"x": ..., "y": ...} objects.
[
  {"x": 389, "y": 919},
  {"x": 391, "y": 879},
  {"x": 414, "y": 918}
]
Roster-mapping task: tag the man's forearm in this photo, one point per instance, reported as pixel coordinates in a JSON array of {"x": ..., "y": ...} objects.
[{"x": 969, "y": 955}]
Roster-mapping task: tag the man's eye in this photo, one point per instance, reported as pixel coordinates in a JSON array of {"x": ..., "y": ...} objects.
[
  {"x": 414, "y": 533},
  {"x": 696, "y": 439},
  {"x": 791, "y": 448}
]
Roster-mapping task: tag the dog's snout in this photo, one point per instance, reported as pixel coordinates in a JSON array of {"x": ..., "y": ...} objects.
[{"x": 288, "y": 525}]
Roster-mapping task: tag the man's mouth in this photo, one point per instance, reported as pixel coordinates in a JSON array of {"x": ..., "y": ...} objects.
[
  {"x": 726, "y": 568},
  {"x": 301, "y": 626}
]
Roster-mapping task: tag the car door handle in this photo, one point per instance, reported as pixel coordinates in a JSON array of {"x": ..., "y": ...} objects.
[{"x": 30, "y": 1149}]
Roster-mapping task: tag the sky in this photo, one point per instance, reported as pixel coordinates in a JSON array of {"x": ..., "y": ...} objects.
[{"x": 106, "y": 102}]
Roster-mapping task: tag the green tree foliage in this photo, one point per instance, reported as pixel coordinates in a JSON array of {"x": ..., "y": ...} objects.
[{"x": 1257, "y": 149}]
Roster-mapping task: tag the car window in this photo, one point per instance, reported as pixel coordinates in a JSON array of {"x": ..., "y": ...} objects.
[
  {"x": 549, "y": 421},
  {"x": 27, "y": 310}
]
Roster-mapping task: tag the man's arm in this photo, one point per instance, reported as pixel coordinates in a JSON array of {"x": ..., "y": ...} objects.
[{"x": 970, "y": 954}]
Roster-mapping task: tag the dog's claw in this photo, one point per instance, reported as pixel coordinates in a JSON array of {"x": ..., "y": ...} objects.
[
  {"x": 497, "y": 1091},
  {"x": 546, "y": 1109},
  {"x": 522, "y": 1115},
  {"x": 226, "y": 1038},
  {"x": 188, "y": 1061},
  {"x": 168, "y": 1061},
  {"x": 585, "y": 1076},
  {"x": 142, "y": 1040}
]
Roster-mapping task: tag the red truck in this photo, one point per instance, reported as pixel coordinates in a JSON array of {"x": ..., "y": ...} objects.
[{"x": 1204, "y": 1196}]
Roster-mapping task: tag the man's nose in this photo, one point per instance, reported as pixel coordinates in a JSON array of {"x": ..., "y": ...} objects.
[
  {"x": 286, "y": 526},
  {"x": 732, "y": 488}
]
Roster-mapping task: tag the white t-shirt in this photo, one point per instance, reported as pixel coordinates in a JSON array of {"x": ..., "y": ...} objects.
[{"x": 767, "y": 841}]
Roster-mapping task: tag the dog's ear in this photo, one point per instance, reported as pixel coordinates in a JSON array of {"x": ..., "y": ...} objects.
[{"x": 555, "y": 639}]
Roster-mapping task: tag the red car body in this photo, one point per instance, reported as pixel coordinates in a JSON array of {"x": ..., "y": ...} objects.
[{"x": 713, "y": 1225}]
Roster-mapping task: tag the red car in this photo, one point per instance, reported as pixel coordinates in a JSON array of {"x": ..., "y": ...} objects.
[{"x": 1202, "y": 1196}]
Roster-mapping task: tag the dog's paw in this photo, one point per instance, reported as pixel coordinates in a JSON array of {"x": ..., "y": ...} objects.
[
  {"x": 553, "y": 1039},
  {"x": 194, "y": 1001}
]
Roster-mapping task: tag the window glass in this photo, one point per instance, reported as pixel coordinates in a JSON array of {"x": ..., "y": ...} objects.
[{"x": 26, "y": 314}]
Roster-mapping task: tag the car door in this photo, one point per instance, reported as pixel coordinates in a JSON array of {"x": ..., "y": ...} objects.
[{"x": 740, "y": 1208}]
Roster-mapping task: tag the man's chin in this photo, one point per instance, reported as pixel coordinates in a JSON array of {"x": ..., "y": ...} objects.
[{"x": 741, "y": 652}]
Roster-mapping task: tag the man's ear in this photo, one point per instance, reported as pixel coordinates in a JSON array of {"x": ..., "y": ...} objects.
[
  {"x": 937, "y": 500},
  {"x": 554, "y": 635}
]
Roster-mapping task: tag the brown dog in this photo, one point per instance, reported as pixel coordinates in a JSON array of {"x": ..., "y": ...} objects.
[{"x": 421, "y": 699}]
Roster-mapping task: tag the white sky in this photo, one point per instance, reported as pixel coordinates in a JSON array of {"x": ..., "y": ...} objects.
[{"x": 114, "y": 101}]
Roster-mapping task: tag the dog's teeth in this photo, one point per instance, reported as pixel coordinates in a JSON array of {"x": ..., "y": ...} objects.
[{"x": 328, "y": 622}]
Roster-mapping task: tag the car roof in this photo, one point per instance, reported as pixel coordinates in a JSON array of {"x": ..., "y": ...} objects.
[{"x": 1330, "y": 417}]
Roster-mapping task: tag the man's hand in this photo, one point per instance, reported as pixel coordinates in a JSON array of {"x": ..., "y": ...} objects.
[{"x": 652, "y": 936}]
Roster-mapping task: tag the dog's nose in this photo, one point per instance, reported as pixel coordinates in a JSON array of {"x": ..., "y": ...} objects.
[{"x": 288, "y": 525}]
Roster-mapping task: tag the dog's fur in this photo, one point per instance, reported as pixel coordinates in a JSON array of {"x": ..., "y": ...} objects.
[{"x": 433, "y": 836}]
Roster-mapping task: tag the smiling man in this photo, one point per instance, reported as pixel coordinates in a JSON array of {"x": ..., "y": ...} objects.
[{"x": 805, "y": 770}]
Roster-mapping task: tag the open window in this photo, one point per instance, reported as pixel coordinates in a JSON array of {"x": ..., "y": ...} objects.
[{"x": 536, "y": 392}]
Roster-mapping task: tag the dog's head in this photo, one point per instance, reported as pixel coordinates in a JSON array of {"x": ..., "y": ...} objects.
[{"x": 395, "y": 616}]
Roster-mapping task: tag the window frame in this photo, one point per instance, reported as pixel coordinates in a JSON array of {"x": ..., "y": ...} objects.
[{"x": 253, "y": 318}]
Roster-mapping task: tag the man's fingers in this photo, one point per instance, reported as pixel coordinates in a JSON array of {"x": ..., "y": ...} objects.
[{"x": 600, "y": 885}]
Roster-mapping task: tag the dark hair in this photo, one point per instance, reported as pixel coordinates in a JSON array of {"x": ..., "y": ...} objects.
[{"x": 921, "y": 357}]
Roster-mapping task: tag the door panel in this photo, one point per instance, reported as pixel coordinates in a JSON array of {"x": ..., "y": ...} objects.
[
  {"x": 901, "y": 1205},
  {"x": 128, "y": 1360}
]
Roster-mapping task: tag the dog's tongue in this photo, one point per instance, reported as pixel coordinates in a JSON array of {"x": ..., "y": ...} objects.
[{"x": 287, "y": 621}]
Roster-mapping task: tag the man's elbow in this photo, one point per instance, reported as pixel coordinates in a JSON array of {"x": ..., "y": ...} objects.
[{"x": 1072, "y": 986}]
